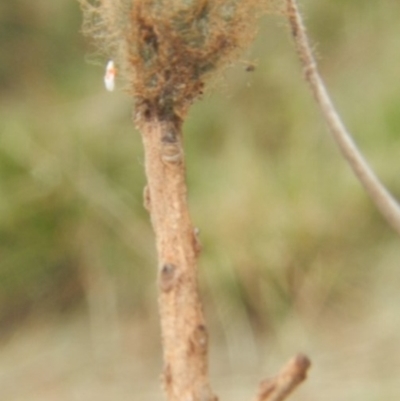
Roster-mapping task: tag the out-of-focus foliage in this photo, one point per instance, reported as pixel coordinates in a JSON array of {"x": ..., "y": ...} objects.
[{"x": 285, "y": 226}]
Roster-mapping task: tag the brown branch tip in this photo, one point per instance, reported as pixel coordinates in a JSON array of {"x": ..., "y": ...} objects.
[{"x": 283, "y": 384}]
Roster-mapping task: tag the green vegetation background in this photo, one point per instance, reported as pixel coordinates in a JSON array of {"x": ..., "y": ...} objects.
[{"x": 290, "y": 239}]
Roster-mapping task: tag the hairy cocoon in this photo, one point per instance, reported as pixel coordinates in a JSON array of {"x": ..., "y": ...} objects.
[{"x": 166, "y": 50}]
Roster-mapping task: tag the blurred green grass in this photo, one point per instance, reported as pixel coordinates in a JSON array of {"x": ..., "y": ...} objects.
[
  {"x": 288, "y": 233},
  {"x": 276, "y": 205}
]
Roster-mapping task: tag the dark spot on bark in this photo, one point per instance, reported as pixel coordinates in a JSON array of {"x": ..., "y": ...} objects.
[
  {"x": 167, "y": 375},
  {"x": 146, "y": 198},
  {"x": 167, "y": 277},
  {"x": 169, "y": 137},
  {"x": 196, "y": 241},
  {"x": 199, "y": 343},
  {"x": 147, "y": 114}
]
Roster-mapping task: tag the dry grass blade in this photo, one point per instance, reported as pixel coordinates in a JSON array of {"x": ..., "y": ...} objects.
[
  {"x": 384, "y": 201},
  {"x": 281, "y": 386}
]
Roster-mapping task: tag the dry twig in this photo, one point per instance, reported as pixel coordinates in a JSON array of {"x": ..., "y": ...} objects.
[
  {"x": 282, "y": 385},
  {"x": 166, "y": 51},
  {"x": 185, "y": 339},
  {"x": 384, "y": 201}
]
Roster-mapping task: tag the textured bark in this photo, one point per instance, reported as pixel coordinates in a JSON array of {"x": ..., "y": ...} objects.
[
  {"x": 282, "y": 385},
  {"x": 184, "y": 334}
]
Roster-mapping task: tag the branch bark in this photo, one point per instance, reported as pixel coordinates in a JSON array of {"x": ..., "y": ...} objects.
[
  {"x": 384, "y": 201},
  {"x": 184, "y": 333},
  {"x": 281, "y": 386}
]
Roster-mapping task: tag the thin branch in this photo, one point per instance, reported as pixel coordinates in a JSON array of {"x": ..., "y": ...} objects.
[
  {"x": 384, "y": 201},
  {"x": 282, "y": 385},
  {"x": 184, "y": 332}
]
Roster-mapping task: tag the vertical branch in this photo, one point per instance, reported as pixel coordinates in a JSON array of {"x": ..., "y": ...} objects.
[
  {"x": 384, "y": 201},
  {"x": 184, "y": 334},
  {"x": 166, "y": 51}
]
